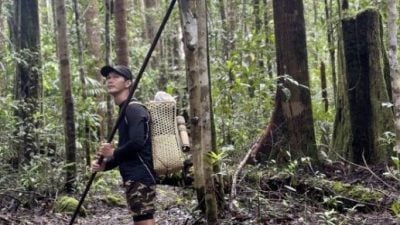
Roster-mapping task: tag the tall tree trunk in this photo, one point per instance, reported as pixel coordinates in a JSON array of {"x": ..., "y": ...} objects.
[
  {"x": 341, "y": 127},
  {"x": 28, "y": 81},
  {"x": 257, "y": 25},
  {"x": 324, "y": 91},
  {"x": 267, "y": 41},
  {"x": 367, "y": 87},
  {"x": 3, "y": 82},
  {"x": 86, "y": 128},
  {"x": 54, "y": 21},
  {"x": 107, "y": 34},
  {"x": 68, "y": 106},
  {"x": 315, "y": 9},
  {"x": 94, "y": 38},
  {"x": 177, "y": 53},
  {"x": 291, "y": 127},
  {"x": 44, "y": 18},
  {"x": 195, "y": 38},
  {"x": 331, "y": 45},
  {"x": 227, "y": 10},
  {"x": 121, "y": 36},
  {"x": 394, "y": 68},
  {"x": 94, "y": 41},
  {"x": 225, "y": 42},
  {"x": 232, "y": 18},
  {"x": 49, "y": 12},
  {"x": 150, "y": 15}
]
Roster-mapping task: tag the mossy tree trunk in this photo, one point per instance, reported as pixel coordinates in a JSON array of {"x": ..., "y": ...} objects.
[
  {"x": 367, "y": 87},
  {"x": 341, "y": 128},
  {"x": 28, "y": 81},
  {"x": 394, "y": 68},
  {"x": 291, "y": 127}
]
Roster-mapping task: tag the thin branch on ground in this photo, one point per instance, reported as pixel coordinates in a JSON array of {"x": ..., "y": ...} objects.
[
  {"x": 236, "y": 174},
  {"x": 368, "y": 169}
]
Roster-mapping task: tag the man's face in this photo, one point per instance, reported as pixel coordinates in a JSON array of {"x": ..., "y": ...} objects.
[{"x": 116, "y": 83}]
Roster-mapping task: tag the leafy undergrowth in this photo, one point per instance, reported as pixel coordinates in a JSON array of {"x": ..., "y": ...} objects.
[{"x": 260, "y": 200}]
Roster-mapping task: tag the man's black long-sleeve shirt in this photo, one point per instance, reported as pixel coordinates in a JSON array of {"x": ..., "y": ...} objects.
[{"x": 134, "y": 152}]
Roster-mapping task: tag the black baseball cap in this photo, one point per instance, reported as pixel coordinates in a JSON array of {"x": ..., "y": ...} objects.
[{"x": 119, "y": 69}]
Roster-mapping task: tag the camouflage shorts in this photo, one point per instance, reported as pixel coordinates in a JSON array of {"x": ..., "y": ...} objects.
[{"x": 140, "y": 198}]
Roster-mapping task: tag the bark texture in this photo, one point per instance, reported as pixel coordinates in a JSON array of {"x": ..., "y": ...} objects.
[
  {"x": 107, "y": 37},
  {"x": 121, "y": 36},
  {"x": 194, "y": 22},
  {"x": 68, "y": 105},
  {"x": 93, "y": 35},
  {"x": 28, "y": 81},
  {"x": 367, "y": 87},
  {"x": 291, "y": 127},
  {"x": 394, "y": 67},
  {"x": 92, "y": 25},
  {"x": 341, "y": 129}
]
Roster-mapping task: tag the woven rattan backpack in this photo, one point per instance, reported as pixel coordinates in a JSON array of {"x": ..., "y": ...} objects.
[{"x": 168, "y": 142}]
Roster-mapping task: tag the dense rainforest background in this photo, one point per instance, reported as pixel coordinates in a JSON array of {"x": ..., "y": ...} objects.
[{"x": 292, "y": 107}]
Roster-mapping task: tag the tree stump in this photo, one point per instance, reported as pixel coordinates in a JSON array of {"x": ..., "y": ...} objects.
[{"x": 368, "y": 87}]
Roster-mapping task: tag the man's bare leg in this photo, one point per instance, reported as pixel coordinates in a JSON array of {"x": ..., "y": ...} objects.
[{"x": 146, "y": 222}]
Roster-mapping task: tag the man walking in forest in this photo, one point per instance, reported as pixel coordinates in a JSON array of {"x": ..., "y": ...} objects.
[{"x": 133, "y": 155}]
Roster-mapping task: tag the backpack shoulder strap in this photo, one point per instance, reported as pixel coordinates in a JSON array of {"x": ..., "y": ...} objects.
[{"x": 141, "y": 104}]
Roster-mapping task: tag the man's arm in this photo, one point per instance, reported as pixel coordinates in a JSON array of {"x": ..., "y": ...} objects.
[{"x": 138, "y": 126}]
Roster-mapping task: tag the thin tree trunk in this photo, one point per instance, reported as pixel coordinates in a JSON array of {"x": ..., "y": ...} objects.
[
  {"x": 44, "y": 19},
  {"x": 331, "y": 46},
  {"x": 94, "y": 41},
  {"x": 49, "y": 12},
  {"x": 267, "y": 41},
  {"x": 394, "y": 68},
  {"x": 86, "y": 129},
  {"x": 54, "y": 23},
  {"x": 341, "y": 126},
  {"x": 205, "y": 115},
  {"x": 195, "y": 37},
  {"x": 315, "y": 10},
  {"x": 178, "y": 55},
  {"x": 231, "y": 16},
  {"x": 94, "y": 37},
  {"x": 121, "y": 36},
  {"x": 228, "y": 15},
  {"x": 150, "y": 15},
  {"x": 110, "y": 106},
  {"x": 3, "y": 82},
  {"x": 323, "y": 86},
  {"x": 68, "y": 106},
  {"x": 257, "y": 25},
  {"x": 225, "y": 42},
  {"x": 150, "y": 18}
]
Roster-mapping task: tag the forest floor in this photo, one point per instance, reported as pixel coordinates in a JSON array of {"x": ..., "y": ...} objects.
[{"x": 256, "y": 203}]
